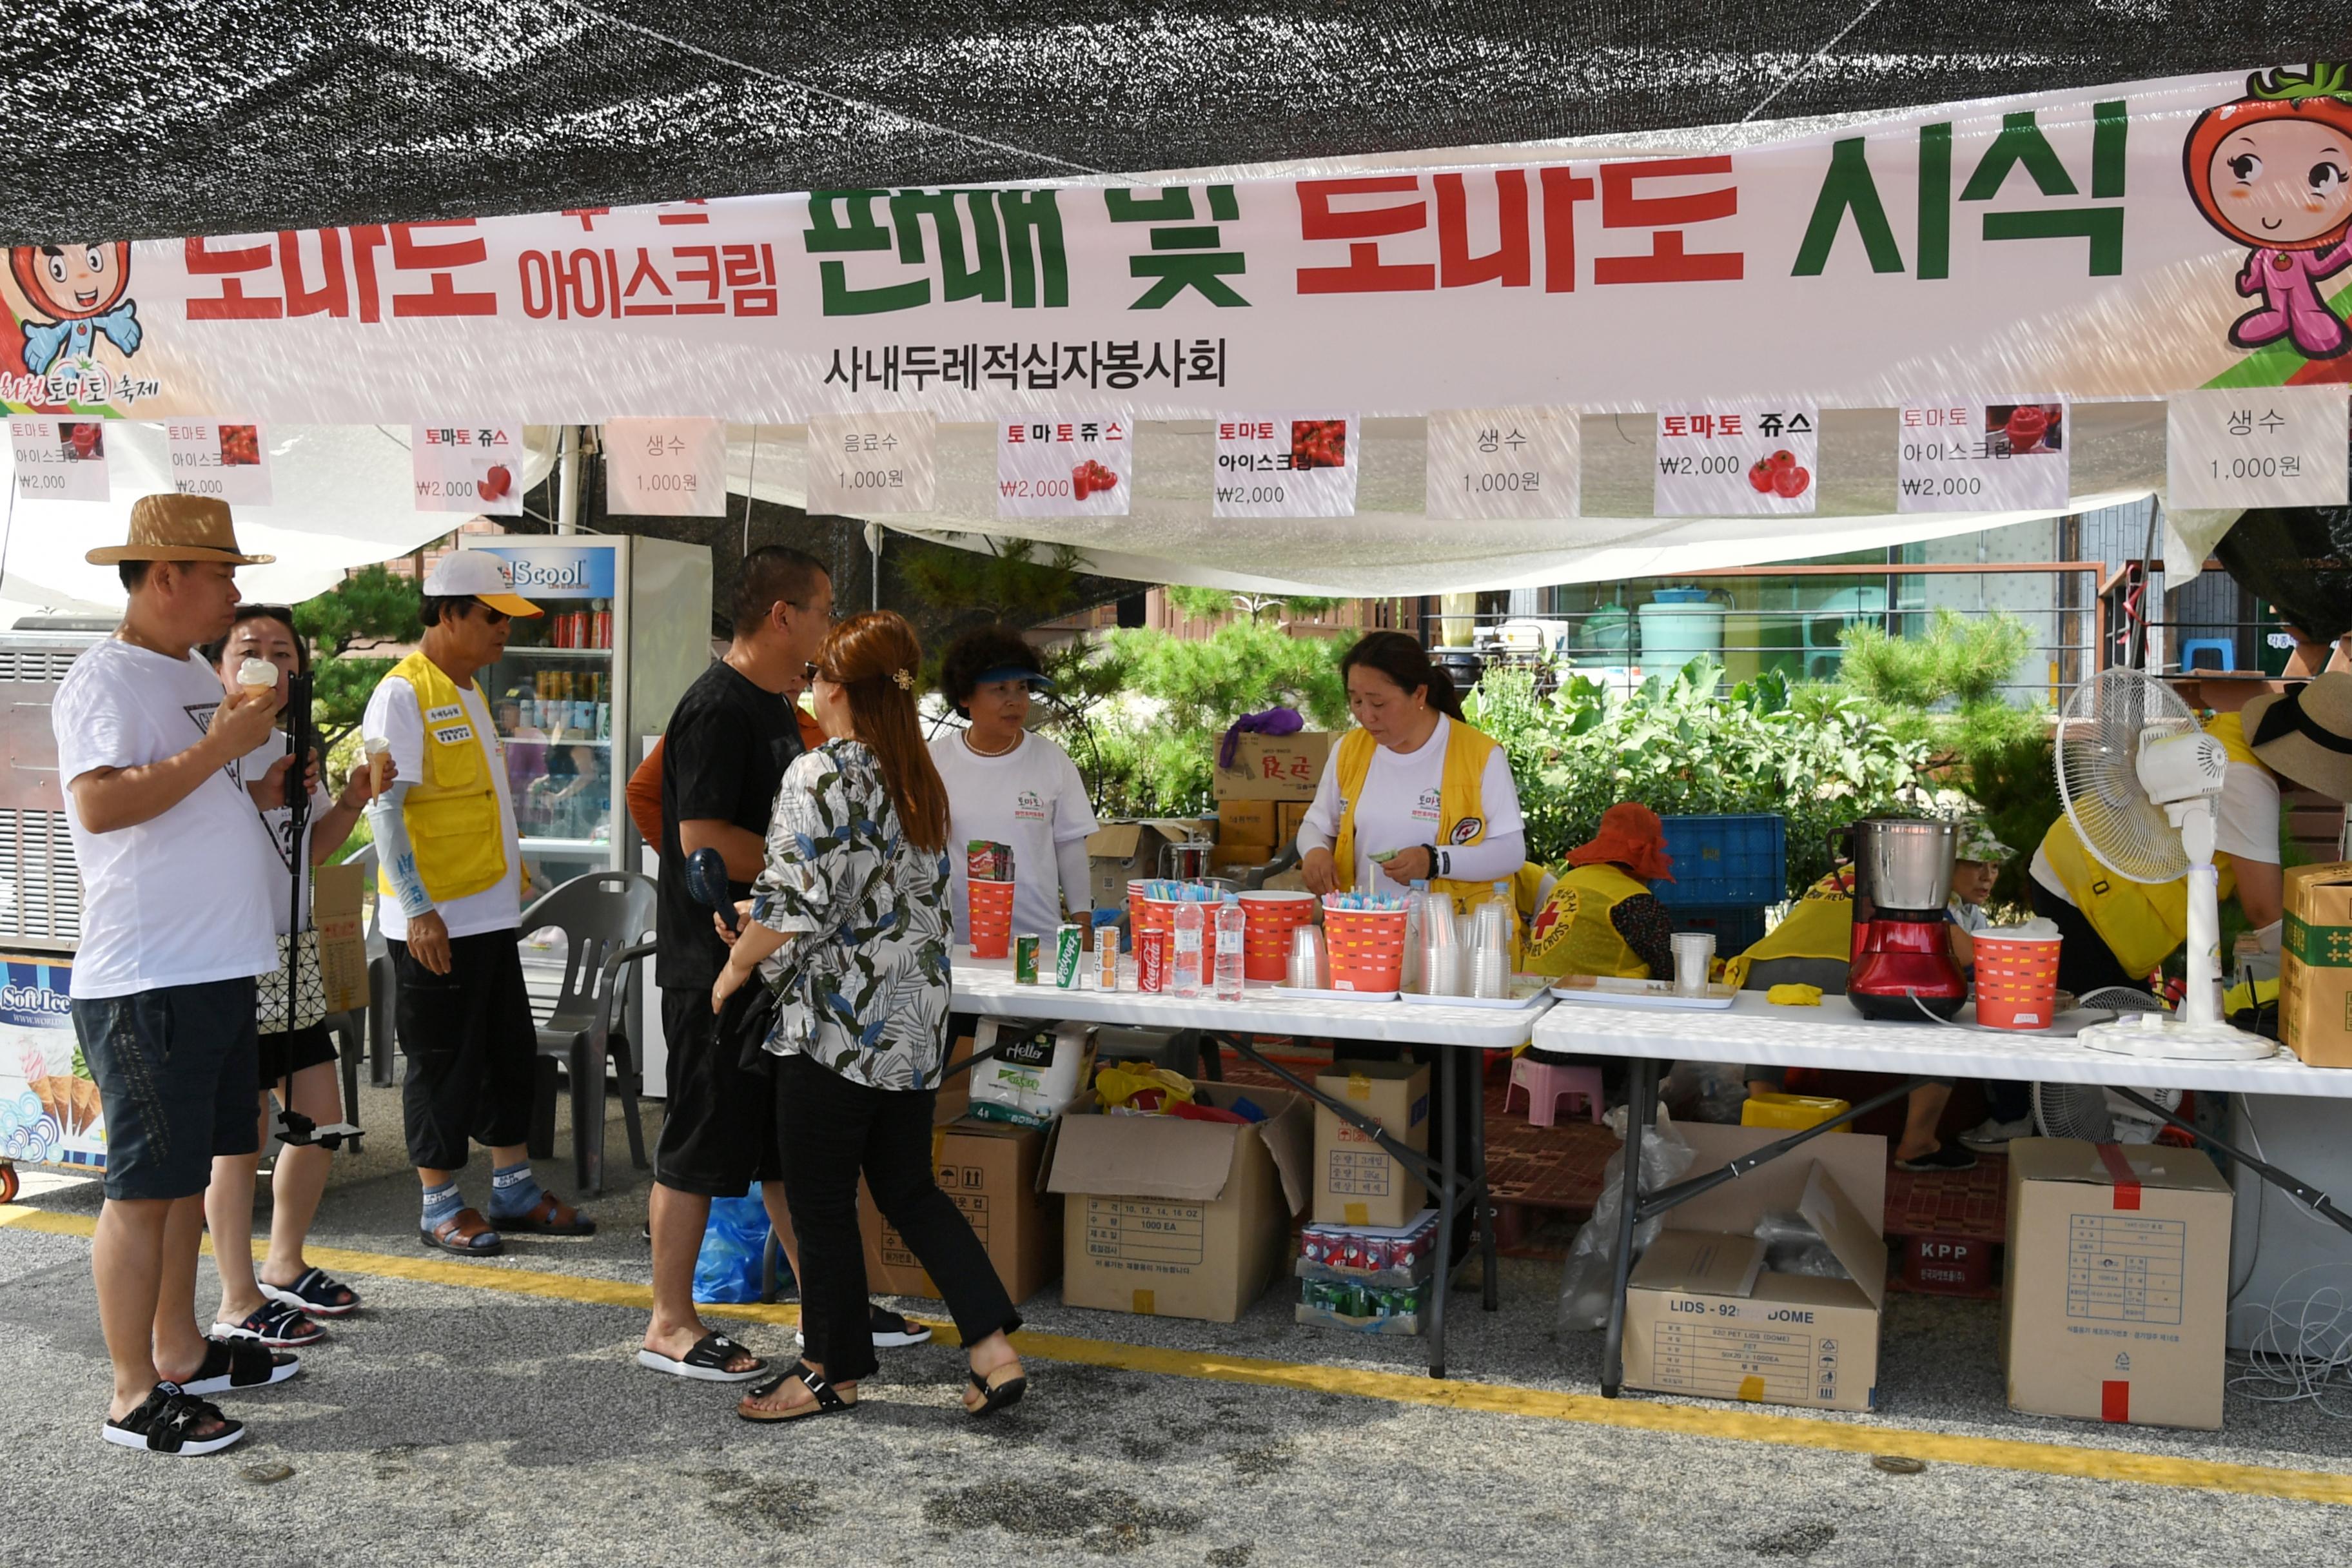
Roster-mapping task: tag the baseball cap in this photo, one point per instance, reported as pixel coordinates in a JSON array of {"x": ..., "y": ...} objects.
[{"x": 477, "y": 574}]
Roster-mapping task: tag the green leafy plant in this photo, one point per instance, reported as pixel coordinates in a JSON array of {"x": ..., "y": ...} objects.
[
  {"x": 1207, "y": 604},
  {"x": 367, "y": 609}
]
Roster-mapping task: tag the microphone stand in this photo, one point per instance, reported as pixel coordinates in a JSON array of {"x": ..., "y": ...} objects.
[{"x": 296, "y": 1130}]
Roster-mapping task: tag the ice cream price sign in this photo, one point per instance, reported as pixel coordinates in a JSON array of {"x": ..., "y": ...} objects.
[
  {"x": 1064, "y": 465},
  {"x": 59, "y": 459},
  {"x": 861, "y": 465},
  {"x": 475, "y": 467},
  {"x": 1737, "y": 459},
  {"x": 1503, "y": 462},
  {"x": 666, "y": 467},
  {"x": 2281, "y": 446},
  {"x": 1286, "y": 465},
  {"x": 218, "y": 459},
  {"x": 1972, "y": 454}
]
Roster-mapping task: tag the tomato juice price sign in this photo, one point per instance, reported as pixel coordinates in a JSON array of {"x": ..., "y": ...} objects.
[
  {"x": 474, "y": 468},
  {"x": 1503, "y": 462},
  {"x": 1747, "y": 459},
  {"x": 1064, "y": 465},
  {"x": 59, "y": 459},
  {"x": 218, "y": 459},
  {"x": 1286, "y": 465},
  {"x": 2280, "y": 445},
  {"x": 1972, "y": 454},
  {"x": 666, "y": 467},
  {"x": 860, "y": 465}
]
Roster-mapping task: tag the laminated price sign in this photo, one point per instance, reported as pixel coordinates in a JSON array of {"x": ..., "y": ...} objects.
[
  {"x": 1970, "y": 455},
  {"x": 1503, "y": 462},
  {"x": 1737, "y": 460},
  {"x": 213, "y": 457},
  {"x": 59, "y": 459},
  {"x": 475, "y": 467},
  {"x": 666, "y": 467},
  {"x": 2280, "y": 445},
  {"x": 1286, "y": 465},
  {"x": 1065, "y": 466},
  {"x": 860, "y": 465}
]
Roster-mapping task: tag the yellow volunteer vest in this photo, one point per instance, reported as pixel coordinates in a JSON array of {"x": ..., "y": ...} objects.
[
  {"x": 452, "y": 814},
  {"x": 1461, "y": 810},
  {"x": 1574, "y": 934},
  {"x": 1818, "y": 925},
  {"x": 2141, "y": 923}
]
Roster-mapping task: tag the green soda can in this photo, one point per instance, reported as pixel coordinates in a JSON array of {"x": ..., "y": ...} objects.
[
  {"x": 1069, "y": 954},
  {"x": 1024, "y": 961}
]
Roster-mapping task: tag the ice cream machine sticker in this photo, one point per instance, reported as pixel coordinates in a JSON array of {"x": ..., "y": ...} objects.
[
  {"x": 582, "y": 572},
  {"x": 51, "y": 1113}
]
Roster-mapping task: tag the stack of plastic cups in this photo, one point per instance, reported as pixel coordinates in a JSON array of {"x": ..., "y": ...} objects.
[
  {"x": 1441, "y": 947},
  {"x": 1490, "y": 951}
]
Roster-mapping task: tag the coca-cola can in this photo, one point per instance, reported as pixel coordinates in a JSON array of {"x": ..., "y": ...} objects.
[{"x": 1151, "y": 960}]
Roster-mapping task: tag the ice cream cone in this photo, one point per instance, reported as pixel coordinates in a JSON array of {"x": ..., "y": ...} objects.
[
  {"x": 379, "y": 752},
  {"x": 256, "y": 678}
]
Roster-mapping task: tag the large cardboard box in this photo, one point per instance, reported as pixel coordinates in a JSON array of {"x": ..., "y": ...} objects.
[
  {"x": 1245, "y": 821},
  {"x": 1275, "y": 767},
  {"x": 1118, "y": 852},
  {"x": 2315, "y": 965},
  {"x": 1357, "y": 1182},
  {"x": 990, "y": 1170},
  {"x": 335, "y": 892},
  {"x": 2116, "y": 1289},
  {"x": 1177, "y": 1218},
  {"x": 1704, "y": 1317},
  {"x": 1288, "y": 816}
]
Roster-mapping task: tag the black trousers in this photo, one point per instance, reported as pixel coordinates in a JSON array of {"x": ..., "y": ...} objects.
[
  {"x": 830, "y": 1130},
  {"x": 471, "y": 1046}
]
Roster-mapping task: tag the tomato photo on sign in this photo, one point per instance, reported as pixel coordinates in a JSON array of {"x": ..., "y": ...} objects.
[
  {"x": 1319, "y": 444},
  {"x": 241, "y": 445},
  {"x": 83, "y": 442},
  {"x": 495, "y": 483}
]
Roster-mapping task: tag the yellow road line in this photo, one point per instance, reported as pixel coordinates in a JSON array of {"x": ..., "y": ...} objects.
[{"x": 1726, "y": 1423}]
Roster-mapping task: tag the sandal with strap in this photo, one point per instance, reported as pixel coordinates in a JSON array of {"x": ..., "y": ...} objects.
[
  {"x": 707, "y": 1362},
  {"x": 172, "y": 1421},
  {"x": 314, "y": 1295},
  {"x": 828, "y": 1400},
  {"x": 233, "y": 1365},
  {"x": 997, "y": 1391},
  {"x": 275, "y": 1324},
  {"x": 549, "y": 1216},
  {"x": 465, "y": 1233}
]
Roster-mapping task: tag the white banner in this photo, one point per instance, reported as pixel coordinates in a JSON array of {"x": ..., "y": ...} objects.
[
  {"x": 666, "y": 467},
  {"x": 1503, "y": 462},
  {"x": 1970, "y": 455},
  {"x": 59, "y": 459},
  {"x": 1286, "y": 465},
  {"x": 1753, "y": 459},
  {"x": 2281, "y": 446},
  {"x": 1064, "y": 465},
  {"x": 470, "y": 468},
  {"x": 211, "y": 457},
  {"x": 871, "y": 464}
]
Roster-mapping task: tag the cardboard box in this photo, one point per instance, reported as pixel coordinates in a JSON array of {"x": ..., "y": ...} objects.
[
  {"x": 1182, "y": 1219},
  {"x": 1275, "y": 767},
  {"x": 1119, "y": 852},
  {"x": 1356, "y": 1182},
  {"x": 2315, "y": 965},
  {"x": 990, "y": 1170},
  {"x": 335, "y": 892},
  {"x": 2115, "y": 1293},
  {"x": 1288, "y": 816},
  {"x": 1245, "y": 821},
  {"x": 1243, "y": 856},
  {"x": 1704, "y": 1316}
]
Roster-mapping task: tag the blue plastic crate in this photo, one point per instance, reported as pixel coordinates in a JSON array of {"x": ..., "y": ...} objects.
[
  {"x": 1724, "y": 860},
  {"x": 1734, "y": 927}
]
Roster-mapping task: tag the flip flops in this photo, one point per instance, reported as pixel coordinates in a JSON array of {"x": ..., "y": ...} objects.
[
  {"x": 169, "y": 1422},
  {"x": 828, "y": 1400},
  {"x": 236, "y": 1366},
  {"x": 706, "y": 1363},
  {"x": 998, "y": 1391}
]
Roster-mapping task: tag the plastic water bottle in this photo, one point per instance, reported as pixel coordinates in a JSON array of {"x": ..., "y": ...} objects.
[
  {"x": 1230, "y": 924},
  {"x": 1192, "y": 921}
]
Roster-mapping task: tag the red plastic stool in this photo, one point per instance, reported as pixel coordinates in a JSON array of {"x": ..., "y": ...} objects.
[{"x": 1547, "y": 1085}]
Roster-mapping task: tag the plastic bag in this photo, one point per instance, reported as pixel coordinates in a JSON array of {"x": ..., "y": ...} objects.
[
  {"x": 734, "y": 1245},
  {"x": 1121, "y": 1085},
  {"x": 1587, "y": 1282},
  {"x": 1712, "y": 1092},
  {"x": 1792, "y": 1245}
]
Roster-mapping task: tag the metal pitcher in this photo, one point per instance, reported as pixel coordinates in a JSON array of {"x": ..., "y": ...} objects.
[
  {"x": 1899, "y": 862},
  {"x": 1187, "y": 862}
]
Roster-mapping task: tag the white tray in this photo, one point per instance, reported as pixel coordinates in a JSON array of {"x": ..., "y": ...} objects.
[
  {"x": 1609, "y": 991},
  {"x": 1513, "y": 1002},
  {"x": 1289, "y": 994}
]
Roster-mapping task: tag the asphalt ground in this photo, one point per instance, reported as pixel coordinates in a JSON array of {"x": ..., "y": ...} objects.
[{"x": 490, "y": 1412}]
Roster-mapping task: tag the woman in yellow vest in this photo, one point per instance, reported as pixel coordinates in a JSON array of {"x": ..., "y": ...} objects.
[{"x": 1601, "y": 917}]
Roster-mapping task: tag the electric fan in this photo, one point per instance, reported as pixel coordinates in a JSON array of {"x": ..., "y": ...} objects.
[{"x": 2142, "y": 785}]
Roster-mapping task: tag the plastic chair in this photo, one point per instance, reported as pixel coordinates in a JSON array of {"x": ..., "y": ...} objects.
[
  {"x": 1546, "y": 1085},
  {"x": 605, "y": 916},
  {"x": 2225, "y": 649}
]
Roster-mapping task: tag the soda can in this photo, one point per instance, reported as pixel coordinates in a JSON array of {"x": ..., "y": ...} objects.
[
  {"x": 1106, "y": 959},
  {"x": 1070, "y": 951},
  {"x": 1152, "y": 962},
  {"x": 1024, "y": 961},
  {"x": 601, "y": 625}
]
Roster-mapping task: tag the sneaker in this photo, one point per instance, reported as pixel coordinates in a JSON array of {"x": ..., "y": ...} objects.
[
  {"x": 1950, "y": 1157},
  {"x": 1992, "y": 1134}
]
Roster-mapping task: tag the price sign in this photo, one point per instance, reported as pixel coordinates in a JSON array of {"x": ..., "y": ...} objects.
[
  {"x": 666, "y": 467},
  {"x": 215, "y": 457},
  {"x": 59, "y": 459},
  {"x": 1971, "y": 455},
  {"x": 2281, "y": 446},
  {"x": 1064, "y": 465},
  {"x": 472, "y": 468},
  {"x": 1286, "y": 465},
  {"x": 1747, "y": 459},
  {"x": 1503, "y": 462},
  {"x": 863, "y": 465}
]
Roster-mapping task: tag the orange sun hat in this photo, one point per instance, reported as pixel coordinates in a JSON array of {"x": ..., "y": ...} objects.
[{"x": 1631, "y": 836}]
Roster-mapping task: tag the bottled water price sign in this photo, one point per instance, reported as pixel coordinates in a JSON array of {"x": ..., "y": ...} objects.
[
  {"x": 864, "y": 465},
  {"x": 1503, "y": 462},
  {"x": 2279, "y": 446},
  {"x": 666, "y": 467}
]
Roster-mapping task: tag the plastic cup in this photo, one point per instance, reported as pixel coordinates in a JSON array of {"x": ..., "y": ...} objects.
[
  {"x": 1309, "y": 964},
  {"x": 989, "y": 927},
  {"x": 1694, "y": 952}
]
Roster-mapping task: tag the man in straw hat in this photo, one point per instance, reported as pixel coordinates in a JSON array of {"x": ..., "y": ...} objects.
[
  {"x": 175, "y": 925},
  {"x": 2306, "y": 733}
]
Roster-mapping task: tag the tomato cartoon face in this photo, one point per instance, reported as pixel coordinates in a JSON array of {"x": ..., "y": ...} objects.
[
  {"x": 2282, "y": 183},
  {"x": 68, "y": 282}
]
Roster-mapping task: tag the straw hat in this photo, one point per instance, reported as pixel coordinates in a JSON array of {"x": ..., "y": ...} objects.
[
  {"x": 179, "y": 527},
  {"x": 2306, "y": 734}
]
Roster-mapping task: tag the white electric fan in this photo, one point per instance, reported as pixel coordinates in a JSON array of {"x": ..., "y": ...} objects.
[{"x": 2142, "y": 784}]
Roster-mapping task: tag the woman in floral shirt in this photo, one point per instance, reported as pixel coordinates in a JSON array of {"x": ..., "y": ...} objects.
[{"x": 849, "y": 929}]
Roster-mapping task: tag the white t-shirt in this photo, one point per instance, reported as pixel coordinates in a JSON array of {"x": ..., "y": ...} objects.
[
  {"x": 1400, "y": 811},
  {"x": 279, "y": 824},
  {"x": 181, "y": 898},
  {"x": 393, "y": 714},
  {"x": 1031, "y": 798},
  {"x": 2246, "y": 829}
]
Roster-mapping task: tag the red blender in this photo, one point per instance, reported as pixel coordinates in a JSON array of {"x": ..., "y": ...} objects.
[{"x": 1902, "y": 958}]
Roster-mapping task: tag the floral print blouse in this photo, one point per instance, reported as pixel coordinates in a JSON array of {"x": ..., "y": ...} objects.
[{"x": 862, "y": 984}]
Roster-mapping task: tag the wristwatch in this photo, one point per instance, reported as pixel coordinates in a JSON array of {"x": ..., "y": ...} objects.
[{"x": 1436, "y": 861}]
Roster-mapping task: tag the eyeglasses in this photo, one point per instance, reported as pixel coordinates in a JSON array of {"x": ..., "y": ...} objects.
[{"x": 810, "y": 672}]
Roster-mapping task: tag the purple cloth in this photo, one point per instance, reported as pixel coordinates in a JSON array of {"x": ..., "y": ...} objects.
[{"x": 1272, "y": 722}]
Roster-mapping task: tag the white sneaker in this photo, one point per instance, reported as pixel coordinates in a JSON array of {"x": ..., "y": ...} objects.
[{"x": 1992, "y": 1134}]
